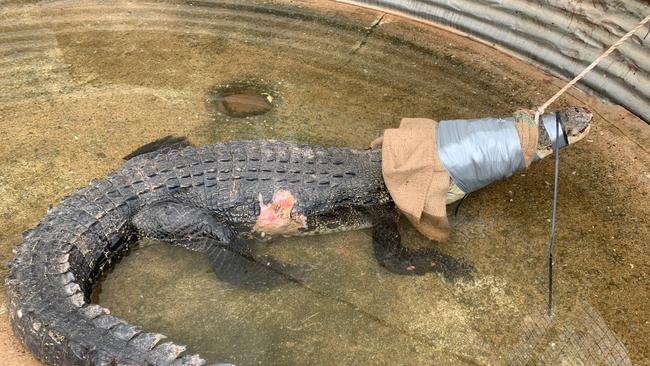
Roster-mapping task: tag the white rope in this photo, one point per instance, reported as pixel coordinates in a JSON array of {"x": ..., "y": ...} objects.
[{"x": 540, "y": 110}]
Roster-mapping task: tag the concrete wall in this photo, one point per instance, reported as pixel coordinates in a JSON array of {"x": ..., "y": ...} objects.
[{"x": 559, "y": 36}]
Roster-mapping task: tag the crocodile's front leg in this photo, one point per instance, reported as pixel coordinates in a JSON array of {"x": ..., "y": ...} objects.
[
  {"x": 397, "y": 258},
  {"x": 199, "y": 230}
]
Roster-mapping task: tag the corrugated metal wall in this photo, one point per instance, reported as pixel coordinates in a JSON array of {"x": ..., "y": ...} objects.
[{"x": 560, "y": 36}]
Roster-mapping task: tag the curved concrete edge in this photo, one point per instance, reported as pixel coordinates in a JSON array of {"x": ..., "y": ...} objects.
[{"x": 558, "y": 36}]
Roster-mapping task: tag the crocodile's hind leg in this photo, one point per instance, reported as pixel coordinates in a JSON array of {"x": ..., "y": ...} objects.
[
  {"x": 236, "y": 264},
  {"x": 397, "y": 258},
  {"x": 197, "y": 229}
]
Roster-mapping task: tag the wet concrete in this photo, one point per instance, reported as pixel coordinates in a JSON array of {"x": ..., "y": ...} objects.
[{"x": 88, "y": 83}]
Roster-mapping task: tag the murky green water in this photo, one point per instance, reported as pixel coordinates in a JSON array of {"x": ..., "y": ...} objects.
[{"x": 90, "y": 82}]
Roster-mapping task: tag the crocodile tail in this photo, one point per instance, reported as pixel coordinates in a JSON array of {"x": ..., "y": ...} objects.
[{"x": 53, "y": 273}]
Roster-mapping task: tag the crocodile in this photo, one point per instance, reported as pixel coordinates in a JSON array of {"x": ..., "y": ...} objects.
[{"x": 212, "y": 199}]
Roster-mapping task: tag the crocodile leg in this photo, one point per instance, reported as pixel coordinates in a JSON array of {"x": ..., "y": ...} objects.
[
  {"x": 180, "y": 224},
  {"x": 235, "y": 264},
  {"x": 197, "y": 229},
  {"x": 397, "y": 258}
]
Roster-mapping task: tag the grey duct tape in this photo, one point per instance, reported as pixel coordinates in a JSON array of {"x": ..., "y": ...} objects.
[
  {"x": 549, "y": 125},
  {"x": 480, "y": 151}
]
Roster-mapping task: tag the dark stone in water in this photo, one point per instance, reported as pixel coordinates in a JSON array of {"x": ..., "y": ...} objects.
[{"x": 243, "y": 104}]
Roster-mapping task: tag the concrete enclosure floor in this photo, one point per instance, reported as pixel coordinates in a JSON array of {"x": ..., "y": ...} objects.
[{"x": 84, "y": 83}]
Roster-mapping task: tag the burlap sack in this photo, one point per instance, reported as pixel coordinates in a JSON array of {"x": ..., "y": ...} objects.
[
  {"x": 528, "y": 134},
  {"x": 416, "y": 178}
]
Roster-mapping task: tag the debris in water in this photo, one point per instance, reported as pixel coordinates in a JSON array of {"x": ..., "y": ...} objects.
[
  {"x": 241, "y": 99},
  {"x": 244, "y": 105}
]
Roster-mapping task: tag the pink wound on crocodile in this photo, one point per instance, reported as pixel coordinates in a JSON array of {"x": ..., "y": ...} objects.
[{"x": 277, "y": 217}]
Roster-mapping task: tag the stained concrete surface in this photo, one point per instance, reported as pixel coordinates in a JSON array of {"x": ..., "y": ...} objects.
[{"x": 86, "y": 83}]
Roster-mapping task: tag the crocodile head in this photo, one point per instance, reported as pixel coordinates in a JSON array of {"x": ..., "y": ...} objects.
[{"x": 576, "y": 122}]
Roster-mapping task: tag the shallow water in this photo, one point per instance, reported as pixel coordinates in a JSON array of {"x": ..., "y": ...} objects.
[{"x": 89, "y": 83}]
